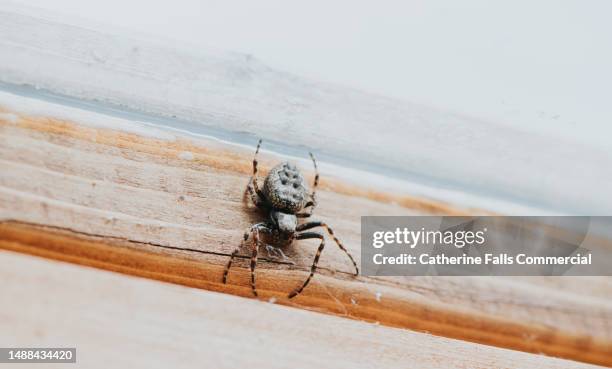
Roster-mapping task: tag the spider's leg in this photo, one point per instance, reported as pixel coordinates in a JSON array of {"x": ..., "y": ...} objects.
[
  {"x": 316, "y": 179},
  {"x": 313, "y": 201},
  {"x": 256, "y": 197},
  {"x": 233, "y": 255},
  {"x": 309, "y": 204},
  {"x": 254, "y": 260},
  {"x": 313, "y": 268},
  {"x": 255, "y": 184},
  {"x": 251, "y": 230},
  {"x": 310, "y": 225}
]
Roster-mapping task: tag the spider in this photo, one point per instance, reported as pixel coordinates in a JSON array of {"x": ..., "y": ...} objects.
[{"x": 284, "y": 198}]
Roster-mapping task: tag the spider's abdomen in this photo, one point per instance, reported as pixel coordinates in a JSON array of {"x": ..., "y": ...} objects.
[{"x": 285, "y": 188}]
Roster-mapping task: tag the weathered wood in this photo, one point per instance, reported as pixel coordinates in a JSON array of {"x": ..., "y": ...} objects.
[
  {"x": 174, "y": 209},
  {"x": 116, "y": 321},
  {"x": 236, "y": 92}
]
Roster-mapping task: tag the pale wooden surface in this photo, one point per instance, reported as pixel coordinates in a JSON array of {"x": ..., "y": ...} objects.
[
  {"x": 235, "y": 92},
  {"x": 135, "y": 193},
  {"x": 117, "y": 321}
]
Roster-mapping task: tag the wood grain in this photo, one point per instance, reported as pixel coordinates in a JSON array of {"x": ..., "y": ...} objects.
[
  {"x": 124, "y": 71},
  {"x": 116, "y": 321},
  {"x": 134, "y": 204}
]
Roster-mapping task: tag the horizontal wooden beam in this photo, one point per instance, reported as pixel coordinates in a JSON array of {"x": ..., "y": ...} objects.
[
  {"x": 119, "y": 322},
  {"x": 173, "y": 210}
]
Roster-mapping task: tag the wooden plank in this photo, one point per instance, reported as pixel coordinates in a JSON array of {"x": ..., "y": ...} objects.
[
  {"x": 230, "y": 91},
  {"x": 123, "y": 322},
  {"x": 174, "y": 209}
]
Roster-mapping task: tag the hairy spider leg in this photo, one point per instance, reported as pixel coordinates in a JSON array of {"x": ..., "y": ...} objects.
[
  {"x": 310, "y": 225},
  {"x": 254, "y": 230},
  {"x": 255, "y": 197},
  {"x": 254, "y": 260},
  {"x": 313, "y": 201},
  {"x": 253, "y": 186},
  {"x": 316, "y": 179},
  {"x": 313, "y": 268}
]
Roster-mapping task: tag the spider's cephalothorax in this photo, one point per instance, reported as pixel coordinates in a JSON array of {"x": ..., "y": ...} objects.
[{"x": 285, "y": 196}]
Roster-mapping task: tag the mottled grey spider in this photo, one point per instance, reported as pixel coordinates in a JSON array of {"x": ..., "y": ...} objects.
[{"x": 284, "y": 197}]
